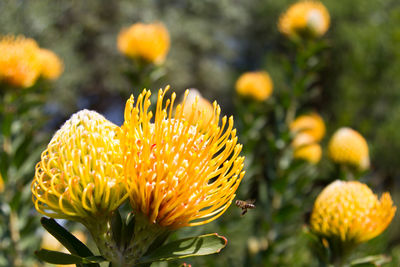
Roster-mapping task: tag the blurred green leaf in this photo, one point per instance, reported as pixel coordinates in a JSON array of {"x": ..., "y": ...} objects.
[{"x": 56, "y": 257}]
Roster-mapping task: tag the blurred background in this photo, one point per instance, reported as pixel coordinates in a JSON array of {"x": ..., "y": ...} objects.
[{"x": 212, "y": 44}]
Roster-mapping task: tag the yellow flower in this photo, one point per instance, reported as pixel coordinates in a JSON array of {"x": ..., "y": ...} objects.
[
  {"x": 305, "y": 17},
  {"x": 349, "y": 147},
  {"x": 311, "y": 153},
  {"x": 79, "y": 176},
  {"x": 350, "y": 212},
  {"x": 177, "y": 175},
  {"x": 19, "y": 62},
  {"x": 1, "y": 184},
  {"x": 147, "y": 41},
  {"x": 52, "y": 66},
  {"x": 198, "y": 109},
  {"x": 257, "y": 85},
  {"x": 311, "y": 124}
]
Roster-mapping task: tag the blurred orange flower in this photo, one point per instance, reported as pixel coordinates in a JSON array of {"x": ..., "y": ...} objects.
[
  {"x": 52, "y": 66},
  {"x": 305, "y": 17},
  {"x": 22, "y": 61},
  {"x": 311, "y": 124},
  {"x": 257, "y": 85},
  {"x": 150, "y": 42}
]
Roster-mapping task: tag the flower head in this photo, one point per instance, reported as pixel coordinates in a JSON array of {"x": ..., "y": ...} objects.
[
  {"x": 80, "y": 173},
  {"x": 177, "y": 175},
  {"x": 305, "y": 17},
  {"x": 52, "y": 66},
  {"x": 351, "y": 212},
  {"x": 199, "y": 108},
  {"x": 349, "y": 147},
  {"x": 311, "y": 124},
  {"x": 311, "y": 153},
  {"x": 147, "y": 41},
  {"x": 19, "y": 62},
  {"x": 257, "y": 85}
]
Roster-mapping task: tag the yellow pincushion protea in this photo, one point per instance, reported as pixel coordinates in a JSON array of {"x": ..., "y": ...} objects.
[
  {"x": 257, "y": 85},
  {"x": 311, "y": 153},
  {"x": 305, "y": 17},
  {"x": 351, "y": 212},
  {"x": 80, "y": 173},
  {"x": 199, "y": 108},
  {"x": 19, "y": 62},
  {"x": 177, "y": 175},
  {"x": 347, "y": 146},
  {"x": 150, "y": 42},
  {"x": 311, "y": 124},
  {"x": 52, "y": 66}
]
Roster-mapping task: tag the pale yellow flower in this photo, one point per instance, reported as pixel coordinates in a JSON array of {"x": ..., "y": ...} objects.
[
  {"x": 80, "y": 173},
  {"x": 150, "y": 42},
  {"x": 349, "y": 147},
  {"x": 52, "y": 66},
  {"x": 305, "y": 17},
  {"x": 19, "y": 62},
  {"x": 257, "y": 85},
  {"x": 177, "y": 175},
  {"x": 311, "y": 124},
  {"x": 198, "y": 109},
  {"x": 351, "y": 212}
]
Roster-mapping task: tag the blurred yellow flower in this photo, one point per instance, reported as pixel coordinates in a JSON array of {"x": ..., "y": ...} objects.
[
  {"x": 177, "y": 175},
  {"x": 19, "y": 62},
  {"x": 80, "y": 173},
  {"x": 304, "y": 17},
  {"x": 49, "y": 242},
  {"x": 311, "y": 124},
  {"x": 198, "y": 109},
  {"x": 150, "y": 42},
  {"x": 350, "y": 211},
  {"x": 52, "y": 66},
  {"x": 349, "y": 147},
  {"x": 311, "y": 153},
  {"x": 257, "y": 85},
  {"x": 1, "y": 184}
]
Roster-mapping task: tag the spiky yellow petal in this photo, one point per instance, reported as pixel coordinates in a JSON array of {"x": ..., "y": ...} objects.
[
  {"x": 19, "y": 62},
  {"x": 80, "y": 173},
  {"x": 177, "y": 175},
  {"x": 304, "y": 17},
  {"x": 311, "y": 124},
  {"x": 147, "y": 41},
  {"x": 257, "y": 85},
  {"x": 347, "y": 146},
  {"x": 351, "y": 212}
]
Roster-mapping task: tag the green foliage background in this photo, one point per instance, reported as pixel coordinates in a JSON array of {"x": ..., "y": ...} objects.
[{"x": 212, "y": 43}]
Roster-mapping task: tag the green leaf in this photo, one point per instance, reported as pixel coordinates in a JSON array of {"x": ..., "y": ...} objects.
[
  {"x": 188, "y": 247},
  {"x": 56, "y": 257},
  {"x": 68, "y": 240}
]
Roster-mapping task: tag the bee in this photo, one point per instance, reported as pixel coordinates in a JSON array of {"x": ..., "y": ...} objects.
[{"x": 245, "y": 205}]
